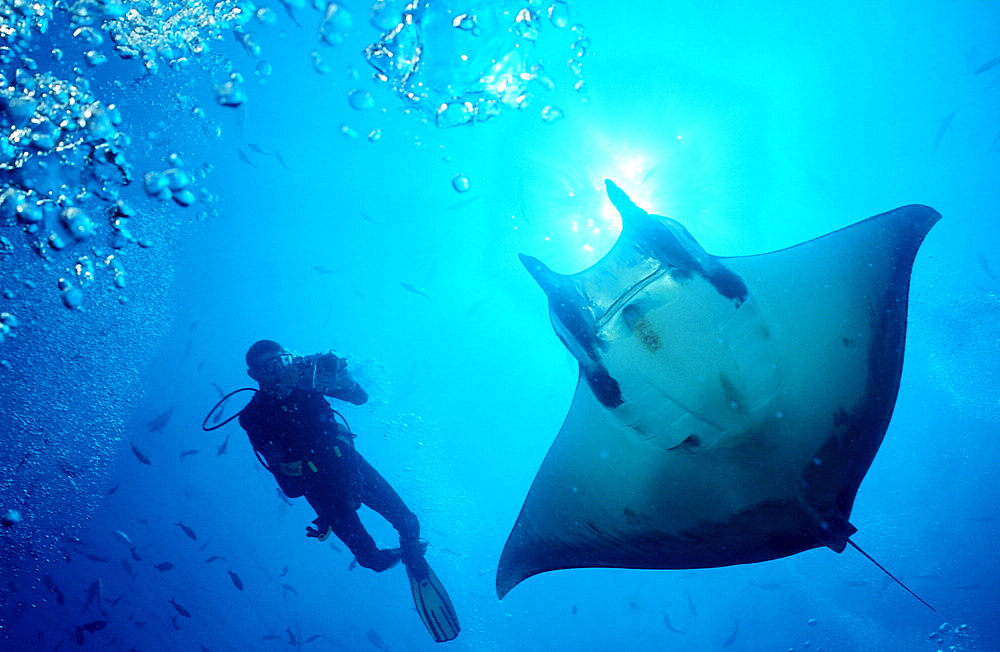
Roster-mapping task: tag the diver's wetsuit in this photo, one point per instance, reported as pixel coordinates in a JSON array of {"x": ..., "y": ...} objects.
[{"x": 312, "y": 455}]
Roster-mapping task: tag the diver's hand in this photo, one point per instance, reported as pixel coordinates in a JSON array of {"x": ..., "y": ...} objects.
[{"x": 321, "y": 532}]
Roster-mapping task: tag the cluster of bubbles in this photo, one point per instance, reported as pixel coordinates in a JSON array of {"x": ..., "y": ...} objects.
[
  {"x": 951, "y": 638},
  {"x": 462, "y": 61},
  {"x": 19, "y": 19},
  {"x": 62, "y": 153},
  {"x": 170, "y": 32},
  {"x": 63, "y": 161}
]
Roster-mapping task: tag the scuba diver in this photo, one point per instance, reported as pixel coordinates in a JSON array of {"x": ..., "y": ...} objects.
[{"x": 297, "y": 437}]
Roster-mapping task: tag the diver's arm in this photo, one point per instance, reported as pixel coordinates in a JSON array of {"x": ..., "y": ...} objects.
[{"x": 334, "y": 380}]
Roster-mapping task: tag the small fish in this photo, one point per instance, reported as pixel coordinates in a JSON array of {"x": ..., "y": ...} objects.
[
  {"x": 203, "y": 648},
  {"x": 942, "y": 130},
  {"x": 173, "y": 620},
  {"x": 127, "y": 567},
  {"x": 139, "y": 455},
  {"x": 291, "y": 637},
  {"x": 322, "y": 270},
  {"x": 258, "y": 149},
  {"x": 189, "y": 452},
  {"x": 670, "y": 625},
  {"x": 694, "y": 610},
  {"x": 246, "y": 159},
  {"x": 91, "y": 627},
  {"x": 985, "y": 264},
  {"x": 352, "y": 565},
  {"x": 214, "y": 558},
  {"x": 163, "y": 566},
  {"x": 222, "y": 447},
  {"x": 288, "y": 588},
  {"x": 288, "y": 10},
  {"x": 181, "y": 610},
  {"x": 237, "y": 582},
  {"x": 281, "y": 160},
  {"x": 135, "y": 553},
  {"x": 315, "y": 637},
  {"x": 188, "y": 531},
  {"x": 61, "y": 599},
  {"x": 203, "y": 546},
  {"x": 93, "y": 557},
  {"x": 113, "y": 489},
  {"x": 334, "y": 547},
  {"x": 272, "y": 637},
  {"x": 986, "y": 66},
  {"x": 160, "y": 421},
  {"x": 410, "y": 288},
  {"x": 368, "y": 218},
  {"x": 732, "y": 637},
  {"x": 93, "y": 594},
  {"x": 284, "y": 498},
  {"x": 284, "y": 571},
  {"x": 114, "y": 603},
  {"x": 377, "y": 640}
]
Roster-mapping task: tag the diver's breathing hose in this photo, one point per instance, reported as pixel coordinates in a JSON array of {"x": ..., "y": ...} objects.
[
  {"x": 219, "y": 404},
  {"x": 225, "y": 398}
]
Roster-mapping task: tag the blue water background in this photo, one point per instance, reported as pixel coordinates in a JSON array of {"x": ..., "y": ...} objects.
[{"x": 757, "y": 125}]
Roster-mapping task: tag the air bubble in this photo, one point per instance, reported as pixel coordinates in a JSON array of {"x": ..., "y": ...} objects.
[
  {"x": 360, "y": 100},
  {"x": 460, "y": 183}
]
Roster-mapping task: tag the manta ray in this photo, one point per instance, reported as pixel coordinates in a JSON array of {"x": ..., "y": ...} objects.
[{"x": 726, "y": 409}]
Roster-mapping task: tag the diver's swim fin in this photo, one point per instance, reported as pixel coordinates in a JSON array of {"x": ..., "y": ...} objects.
[{"x": 432, "y": 601}]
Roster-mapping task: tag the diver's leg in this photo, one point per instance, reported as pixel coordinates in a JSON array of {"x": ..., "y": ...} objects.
[
  {"x": 348, "y": 527},
  {"x": 378, "y": 494}
]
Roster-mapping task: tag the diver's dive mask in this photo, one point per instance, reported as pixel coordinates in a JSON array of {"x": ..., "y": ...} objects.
[{"x": 275, "y": 364}]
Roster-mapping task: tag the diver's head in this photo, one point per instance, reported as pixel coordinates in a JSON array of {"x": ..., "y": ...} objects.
[{"x": 266, "y": 360}]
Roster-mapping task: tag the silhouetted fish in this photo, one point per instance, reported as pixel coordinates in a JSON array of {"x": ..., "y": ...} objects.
[
  {"x": 288, "y": 588},
  {"x": 377, "y": 640},
  {"x": 113, "y": 489},
  {"x": 315, "y": 637},
  {"x": 985, "y": 264},
  {"x": 190, "y": 451},
  {"x": 986, "y": 66},
  {"x": 237, "y": 582},
  {"x": 181, "y": 610},
  {"x": 732, "y": 637},
  {"x": 222, "y": 448},
  {"x": 90, "y": 628},
  {"x": 188, "y": 531},
  {"x": 291, "y": 637},
  {"x": 258, "y": 149},
  {"x": 243, "y": 157},
  {"x": 670, "y": 625},
  {"x": 322, "y": 270},
  {"x": 281, "y": 160},
  {"x": 942, "y": 130},
  {"x": 93, "y": 594},
  {"x": 163, "y": 566},
  {"x": 694, "y": 610},
  {"x": 214, "y": 558},
  {"x": 410, "y": 288},
  {"x": 139, "y": 455},
  {"x": 160, "y": 421}
]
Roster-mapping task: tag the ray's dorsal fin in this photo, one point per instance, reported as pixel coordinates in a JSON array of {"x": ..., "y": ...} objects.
[{"x": 893, "y": 577}]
